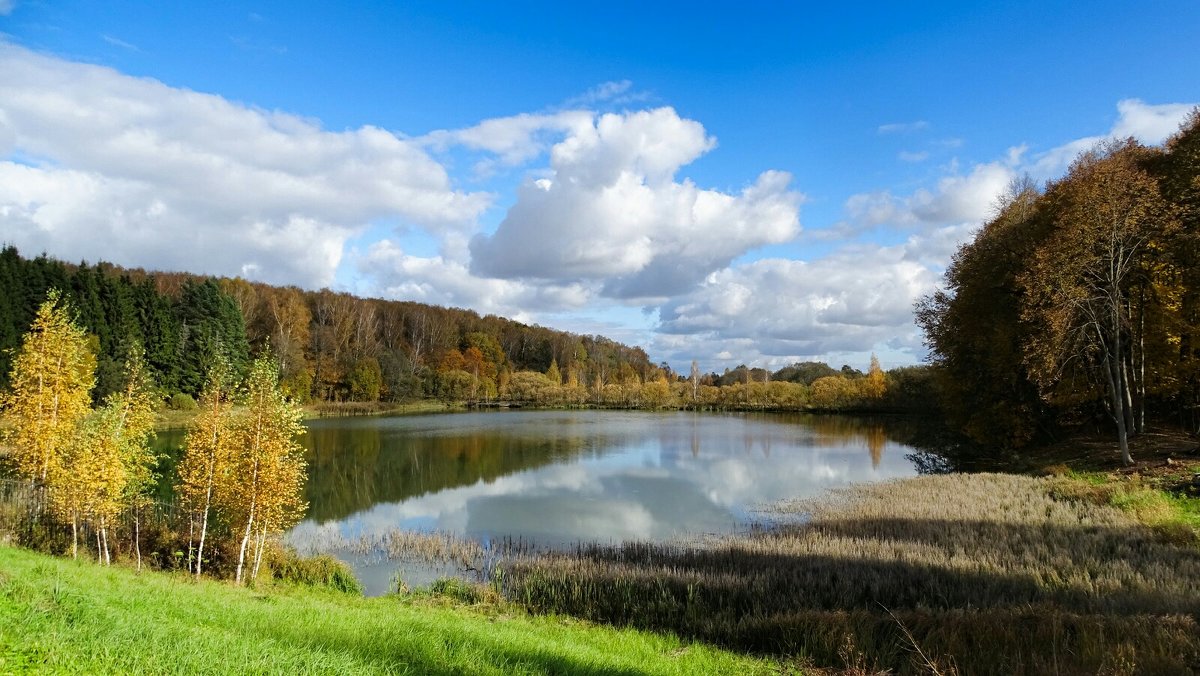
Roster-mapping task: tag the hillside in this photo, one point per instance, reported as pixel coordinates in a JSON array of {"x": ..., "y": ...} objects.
[{"x": 58, "y": 616}]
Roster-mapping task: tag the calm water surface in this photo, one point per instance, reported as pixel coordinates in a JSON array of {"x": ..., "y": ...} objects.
[{"x": 557, "y": 477}]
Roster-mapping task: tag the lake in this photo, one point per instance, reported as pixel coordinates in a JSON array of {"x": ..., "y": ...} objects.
[{"x": 558, "y": 477}]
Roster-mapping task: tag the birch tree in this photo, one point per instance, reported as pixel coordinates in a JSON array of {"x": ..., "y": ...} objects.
[
  {"x": 50, "y": 389},
  {"x": 208, "y": 454},
  {"x": 266, "y": 495}
]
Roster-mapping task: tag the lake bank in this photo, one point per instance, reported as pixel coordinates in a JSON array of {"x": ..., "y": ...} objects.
[
  {"x": 1078, "y": 572},
  {"x": 981, "y": 573},
  {"x": 984, "y": 573},
  {"x": 59, "y": 616}
]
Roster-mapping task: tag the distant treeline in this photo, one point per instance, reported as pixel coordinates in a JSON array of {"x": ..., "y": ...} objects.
[
  {"x": 1078, "y": 302},
  {"x": 331, "y": 346},
  {"x": 334, "y": 347}
]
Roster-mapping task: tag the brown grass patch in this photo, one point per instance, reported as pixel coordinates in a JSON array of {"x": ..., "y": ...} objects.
[{"x": 983, "y": 573}]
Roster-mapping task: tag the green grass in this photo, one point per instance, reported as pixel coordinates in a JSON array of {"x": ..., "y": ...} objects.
[
  {"x": 59, "y": 616},
  {"x": 1173, "y": 515}
]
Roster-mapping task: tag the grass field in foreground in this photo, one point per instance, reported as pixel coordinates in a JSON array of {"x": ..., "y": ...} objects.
[{"x": 58, "y": 615}]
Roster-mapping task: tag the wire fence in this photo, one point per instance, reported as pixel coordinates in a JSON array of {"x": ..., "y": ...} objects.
[{"x": 156, "y": 532}]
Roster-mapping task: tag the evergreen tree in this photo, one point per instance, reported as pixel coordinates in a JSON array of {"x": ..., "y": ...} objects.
[{"x": 211, "y": 326}]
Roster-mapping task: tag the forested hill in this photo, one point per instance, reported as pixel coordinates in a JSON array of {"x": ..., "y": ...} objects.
[{"x": 330, "y": 346}]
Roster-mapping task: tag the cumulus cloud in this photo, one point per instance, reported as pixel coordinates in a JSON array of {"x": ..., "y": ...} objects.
[
  {"x": 1150, "y": 124},
  {"x": 441, "y": 280},
  {"x": 612, "y": 210},
  {"x": 515, "y": 139},
  {"x": 852, "y": 300},
  {"x": 957, "y": 198},
  {"x": 100, "y": 164}
]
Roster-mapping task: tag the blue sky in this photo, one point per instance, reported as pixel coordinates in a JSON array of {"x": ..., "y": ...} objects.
[{"x": 760, "y": 183}]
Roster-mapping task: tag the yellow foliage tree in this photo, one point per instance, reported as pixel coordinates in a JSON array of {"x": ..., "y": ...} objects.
[
  {"x": 875, "y": 384},
  {"x": 208, "y": 454},
  {"x": 51, "y": 380},
  {"x": 128, "y": 417},
  {"x": 266, "y": 493}
]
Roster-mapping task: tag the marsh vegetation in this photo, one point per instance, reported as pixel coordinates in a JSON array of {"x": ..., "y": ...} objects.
[{"x": 980, "y": 573}]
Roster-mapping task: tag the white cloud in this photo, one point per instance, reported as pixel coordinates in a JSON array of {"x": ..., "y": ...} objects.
[
  {"x": 911, "y": 156},
  {"x": 140, "y": 173},
  {"x": 963, "y": 198},
  {"x": 957, "y": 198},
  {"x": 612, "y": 211},
  {"x": 7, "y": 7},
  {"x": 441, "y": 280},
  {"x": 515, "y": 139},
  {"x": 852, "y": 300},
  {"x": 1150, "y": 124},
  {"x": 902, "y": 127}
]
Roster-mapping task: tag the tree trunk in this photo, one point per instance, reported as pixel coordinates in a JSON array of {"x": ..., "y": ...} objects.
[
  {"x": 1141, "y": 367},
  {"x": 1114, "y": 376},
  {"x": 245, "y": 541},
  {"x": 104, "y": 539},
  {"x": 75, "y": 536},
  {"x": 137, "y": 534},
  {"x": 191, "y": 538},
  {"x": 258, "y": 552},
  {"x": 1127, "y": 388},
  {"x": 203, "y": 529}
]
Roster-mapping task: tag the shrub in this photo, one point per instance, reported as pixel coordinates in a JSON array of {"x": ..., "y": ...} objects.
[
  {"x": 182, "y": 402},
  {"x": 316, "y": 571},
  {"x": 463, "y": 591}
]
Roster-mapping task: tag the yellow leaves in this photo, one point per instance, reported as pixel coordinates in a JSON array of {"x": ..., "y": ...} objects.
[
  {"x": 93, "y": 464},
  {"x": 52, "y": 377},
  {"x": 268, "y": 468},
  {"x": 245, "y": 462}
]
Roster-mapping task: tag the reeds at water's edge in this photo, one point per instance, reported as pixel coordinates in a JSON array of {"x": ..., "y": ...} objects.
[{"x": 984, "y": 573}]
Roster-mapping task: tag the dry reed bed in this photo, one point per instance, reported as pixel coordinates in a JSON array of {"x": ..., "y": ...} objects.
[
  {"x": 987, "y": 572},
  {"x": 432, "y": 548}
]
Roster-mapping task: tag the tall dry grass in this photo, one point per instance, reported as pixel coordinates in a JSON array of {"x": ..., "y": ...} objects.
[{"x": 980, "y": 573}]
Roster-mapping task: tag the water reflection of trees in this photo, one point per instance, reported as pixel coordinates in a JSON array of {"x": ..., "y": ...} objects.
[
  {"x": 787, "y": 431},
  {"x": 351, "y": 470}
]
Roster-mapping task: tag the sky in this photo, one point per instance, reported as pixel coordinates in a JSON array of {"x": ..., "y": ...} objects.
[{"x": 759, "y": 183}]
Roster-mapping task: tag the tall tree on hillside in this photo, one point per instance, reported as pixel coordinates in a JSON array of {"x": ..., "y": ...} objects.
[
  {"x": 289, "y": 320},
  {"x": 1178, "y": 172},
  {"x": 875, "y": 384},
  {"x": 1108, "y": 210},
  {"x": 161, "y": 333}
]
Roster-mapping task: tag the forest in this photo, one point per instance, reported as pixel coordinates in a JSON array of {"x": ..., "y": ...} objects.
[
  {"x": 1078, "y": 304},
  {"x": 335, "y": 347}
]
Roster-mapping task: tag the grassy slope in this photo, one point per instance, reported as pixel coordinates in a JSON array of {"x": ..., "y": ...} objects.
[{"x": 61, "y": 616}]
